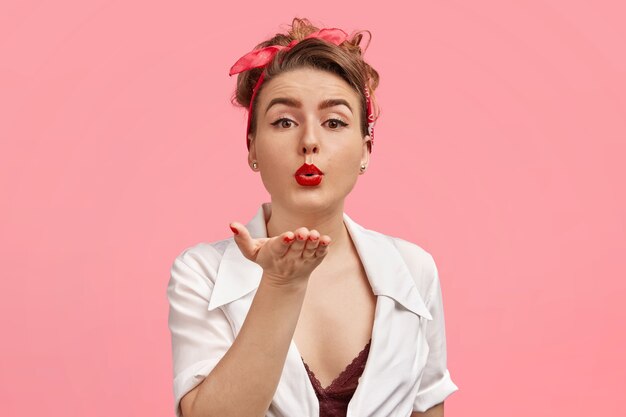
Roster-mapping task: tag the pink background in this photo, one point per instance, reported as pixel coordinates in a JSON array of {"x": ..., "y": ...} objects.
[{"x": 499, "y": 150}]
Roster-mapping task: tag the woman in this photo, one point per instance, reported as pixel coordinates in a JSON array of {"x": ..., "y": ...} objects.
[{"x": 303, "y": 312}]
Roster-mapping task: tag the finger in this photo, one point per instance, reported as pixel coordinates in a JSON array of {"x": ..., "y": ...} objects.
[
  {"x": 284, "y": 242},
  {"x": 311, "y": 244},
  {"x": 322, "y": 248},
  {"x": 314, "y": 236},
  {"x": 302, "y": 234}
]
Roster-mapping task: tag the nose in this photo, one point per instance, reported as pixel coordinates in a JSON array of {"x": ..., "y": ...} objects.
[{"x": 309, "y": 142}]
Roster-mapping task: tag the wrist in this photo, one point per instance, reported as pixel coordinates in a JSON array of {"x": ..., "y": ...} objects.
[{"x": 281, "y": 283}]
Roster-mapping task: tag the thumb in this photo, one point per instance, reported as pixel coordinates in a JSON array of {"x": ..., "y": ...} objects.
[{"x": 243, "y": 240}]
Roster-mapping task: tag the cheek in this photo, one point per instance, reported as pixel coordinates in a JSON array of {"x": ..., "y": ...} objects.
[
  {"x": 275, "y": 165},
  {"x": 346, "y": 165},
  {"x": 267, "y": 151}
]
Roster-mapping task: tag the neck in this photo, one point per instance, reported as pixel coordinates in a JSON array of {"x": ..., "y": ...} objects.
[{"x": 327, "y": 221}]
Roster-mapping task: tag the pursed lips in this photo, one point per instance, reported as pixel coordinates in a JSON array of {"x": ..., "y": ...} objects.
[
  {"x": 308, "y": 175},
  {"x": 309, "y": 170}
]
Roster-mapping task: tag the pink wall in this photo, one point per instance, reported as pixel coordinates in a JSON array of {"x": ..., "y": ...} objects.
[{"x": 120, "y": 148}]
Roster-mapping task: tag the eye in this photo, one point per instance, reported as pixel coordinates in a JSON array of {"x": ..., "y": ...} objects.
[
  {"x": 334, "y": 124},
  {"x": 283, "y": 122}
]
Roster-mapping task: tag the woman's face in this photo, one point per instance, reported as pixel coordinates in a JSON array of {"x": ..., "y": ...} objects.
[{"x": 308, "y": 116}]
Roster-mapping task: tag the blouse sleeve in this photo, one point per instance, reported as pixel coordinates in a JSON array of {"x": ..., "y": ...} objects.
[
  {"x": 200, "y": 338},
  {"x": 436, "y": 384}
]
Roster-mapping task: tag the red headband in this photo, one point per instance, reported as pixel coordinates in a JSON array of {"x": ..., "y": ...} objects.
[{"x": 261, "y": 57}]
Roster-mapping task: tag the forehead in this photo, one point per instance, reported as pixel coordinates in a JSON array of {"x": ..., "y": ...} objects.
[{"x": 308, "y": 85}]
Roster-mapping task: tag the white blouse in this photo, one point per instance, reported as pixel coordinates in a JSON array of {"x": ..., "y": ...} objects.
[{"x": 212, "y": 286}]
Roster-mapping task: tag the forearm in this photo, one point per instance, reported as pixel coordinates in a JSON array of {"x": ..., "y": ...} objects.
[
  {"x": 243, "y": 383},
  {"x": 435, "y": 411}
]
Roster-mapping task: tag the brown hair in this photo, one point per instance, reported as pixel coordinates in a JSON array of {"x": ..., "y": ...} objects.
[{"x": 344, "y": 60}]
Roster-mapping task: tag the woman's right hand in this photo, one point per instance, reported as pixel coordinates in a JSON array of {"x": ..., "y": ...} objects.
[{"x": 286, "y": 258}]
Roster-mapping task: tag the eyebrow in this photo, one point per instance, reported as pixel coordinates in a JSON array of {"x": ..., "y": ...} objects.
[{"x": 292, "y": 102}]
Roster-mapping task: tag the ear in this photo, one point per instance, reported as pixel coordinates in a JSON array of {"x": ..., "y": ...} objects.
[
  {"x": 365, "y": 153},
  {"x": 251, "y": 150}
]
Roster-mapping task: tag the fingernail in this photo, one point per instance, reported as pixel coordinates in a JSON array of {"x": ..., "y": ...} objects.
[
  {"x": 235, "y": 231},
  {"x": 313, "y": 238},
  {"x": 301, "y": 237},
  {"x": 287, "y": 239}
]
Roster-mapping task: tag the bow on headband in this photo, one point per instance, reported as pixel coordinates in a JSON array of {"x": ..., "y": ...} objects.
[{"x": 262, "y": 57}]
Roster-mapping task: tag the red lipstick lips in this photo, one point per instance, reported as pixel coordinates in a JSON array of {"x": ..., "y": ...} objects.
[{"x": 308, "y": 175}]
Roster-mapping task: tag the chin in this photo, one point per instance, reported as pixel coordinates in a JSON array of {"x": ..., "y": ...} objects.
[{"x": 314, "y": 201}]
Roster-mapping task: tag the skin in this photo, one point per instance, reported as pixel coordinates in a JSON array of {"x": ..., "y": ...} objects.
[
  {"x": 436, "y": 411},
  {"x": 306, "y": 232},
  {"x": 314, "y": 136}
]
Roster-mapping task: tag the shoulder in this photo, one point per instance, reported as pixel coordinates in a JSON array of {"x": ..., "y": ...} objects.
[
  {"x": 202, "y": 259},
  {"x": 419, "y": 262}
]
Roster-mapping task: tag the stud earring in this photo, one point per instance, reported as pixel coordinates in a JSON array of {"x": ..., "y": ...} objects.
[
  {"x": 362, "y": 168},
  {"x": 254, "y": 165}
]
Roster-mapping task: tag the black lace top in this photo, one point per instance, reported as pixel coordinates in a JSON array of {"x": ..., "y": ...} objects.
[{"x": 334, "y": 399}]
